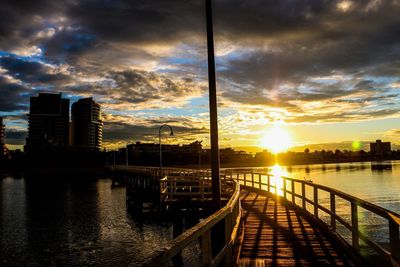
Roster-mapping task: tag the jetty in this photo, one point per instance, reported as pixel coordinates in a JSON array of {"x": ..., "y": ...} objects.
[{"x": 268, "y": 220}]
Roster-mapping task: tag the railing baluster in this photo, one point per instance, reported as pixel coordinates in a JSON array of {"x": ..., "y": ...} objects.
[
  {"x": 244, "y": 177},
  {"x": 293, "y": 192},
  {"x": 354, "y": 226},
  {"x": 284, "y": 187},
  {"x": 252, "y": 179},
  {"x": 394, "y": 240},
  {"x": 303, "y": 195},
  {"x": 268, "y": 183},
  {"x": 333, "y": 211},
  {"x": 315, "y": 201},
  {"x": 206, "y": 248},
  {"x": 259, "y": 180},
  {"x": 228, "y": 233}
]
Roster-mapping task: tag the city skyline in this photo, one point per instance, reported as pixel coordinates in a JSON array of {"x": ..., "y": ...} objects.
[{"x": 323, "y": 72}]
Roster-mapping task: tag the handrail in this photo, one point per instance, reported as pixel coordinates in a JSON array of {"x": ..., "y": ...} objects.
[
  {"x": 231, "y": 216},
  {"x": 280, "y": 188}
]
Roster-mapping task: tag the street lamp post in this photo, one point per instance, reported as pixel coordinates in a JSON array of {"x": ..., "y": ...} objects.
[
  {"x": 216, "y": 182},
  {"x": 159, "y": 140}
]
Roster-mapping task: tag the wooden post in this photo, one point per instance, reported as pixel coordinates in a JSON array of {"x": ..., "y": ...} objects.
[
  {"x": 333, "y": 210},
  {"x": 252, "y": 179},
  {"x": 354, "y": 226},
  {"x": 206, "y": 248},
  {"x": 316, "y": 201},
  {"x": 244, "y": 177},
  {"x": 284, "y": 187},
  {"x": 394, "y": 240},
  {"x": 228, "y": 233},
  {"x": 303, "y": 195},
  {"x": 293, "y": 192},
  {"x": 268, "y": 184},
  {"x": 259, "y": 181}
]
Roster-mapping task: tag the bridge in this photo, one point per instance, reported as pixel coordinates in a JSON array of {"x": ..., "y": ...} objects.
[{"x": 270, "y": 220}]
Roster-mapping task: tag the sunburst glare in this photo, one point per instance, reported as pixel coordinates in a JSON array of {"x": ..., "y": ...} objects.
[{"x": 277, "y": 140}]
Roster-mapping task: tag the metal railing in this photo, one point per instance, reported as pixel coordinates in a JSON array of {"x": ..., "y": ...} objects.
[
  {"x": 294, "y": 191},
  {"x": 230, "y": 214}
]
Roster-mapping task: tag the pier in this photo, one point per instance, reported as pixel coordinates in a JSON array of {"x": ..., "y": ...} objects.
[{"x": 268, "y": 220}]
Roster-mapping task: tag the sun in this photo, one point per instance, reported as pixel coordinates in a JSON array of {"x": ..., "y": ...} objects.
[{"x": 276, "y": 140}]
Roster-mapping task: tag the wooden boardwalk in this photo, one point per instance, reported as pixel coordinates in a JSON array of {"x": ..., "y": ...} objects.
[{"x": 277, "y": 235}]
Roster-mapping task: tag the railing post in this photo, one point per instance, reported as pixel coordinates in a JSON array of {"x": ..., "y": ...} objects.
[
  {"x": 394, "y": 240},
  {"x": 268, "y": 183},
  {"x": 315, "y": 201},
  {"x": 228, "y": 234},
  {"x": 354, "y": 226},
  {"x": 252, "y": 179},
  {"x": 293, "y": 192},
  {"x": 202, "y": 189},
  {"x": 244, "y": 178},
  {"x": 206, "y": 248},
  {"x": 259, "y": 180},
  {"x": 333, "y": 211},
  {"x": 303, "y": 194},
  {"x": 284, "y": 187},
  {"x": 171, "y": 189}
]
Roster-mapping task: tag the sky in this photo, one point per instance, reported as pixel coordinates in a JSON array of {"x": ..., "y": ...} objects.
[{"x": 323, "y": 71}]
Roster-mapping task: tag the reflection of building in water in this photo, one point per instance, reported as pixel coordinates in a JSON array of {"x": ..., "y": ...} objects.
[
  {"x": 3, "y": 147},
  {"x": 86, "y": 125},
  {"x": 48, "y": 122},
  {"x": 380, "y": 148},
  {"x": 383, "y": 166}
]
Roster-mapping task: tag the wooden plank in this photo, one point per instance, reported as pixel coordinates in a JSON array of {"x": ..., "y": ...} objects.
[{"x": 274, "y": 233}]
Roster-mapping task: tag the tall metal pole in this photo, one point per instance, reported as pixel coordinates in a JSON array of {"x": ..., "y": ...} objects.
[{"x": 216, "y": 182}]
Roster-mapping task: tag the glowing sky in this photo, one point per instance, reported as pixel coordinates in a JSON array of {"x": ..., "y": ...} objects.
[{"x": 326, "y": 71}]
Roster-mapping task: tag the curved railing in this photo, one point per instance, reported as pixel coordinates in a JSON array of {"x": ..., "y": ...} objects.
[
  {"x": 229, "y": 215},
  {"x": 295, "y": 191}
]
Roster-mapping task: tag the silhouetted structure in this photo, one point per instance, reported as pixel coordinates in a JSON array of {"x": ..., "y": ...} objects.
[
  {"x": 86, "y": 125},
  {"x": 3, "y": 147},
  {"x": 380, "y": 148},
  {"x": 48, "y": 123}
]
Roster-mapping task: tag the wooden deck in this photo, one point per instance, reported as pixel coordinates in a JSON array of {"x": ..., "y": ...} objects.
[{"x": 277, "y": 235}]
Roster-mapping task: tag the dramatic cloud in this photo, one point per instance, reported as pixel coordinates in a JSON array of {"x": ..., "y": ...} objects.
[{"x": 296, "y": 62}]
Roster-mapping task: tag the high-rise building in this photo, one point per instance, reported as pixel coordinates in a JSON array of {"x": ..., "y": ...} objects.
[
  {"x": 48, "y": 127},
  {"x": 86, "y": 124},
  {"x": 380, "y": 148},
  {"x": 3, "y": 147}
]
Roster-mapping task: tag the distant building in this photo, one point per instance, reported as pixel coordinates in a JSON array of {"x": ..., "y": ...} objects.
[
  {"x": 3, "y": 147},
  {"x": 86, "y": 124},
  {"x": 48, "y": 121},
  {"x": 380, "y": 148},
  {"x": 138, "y": 148}
]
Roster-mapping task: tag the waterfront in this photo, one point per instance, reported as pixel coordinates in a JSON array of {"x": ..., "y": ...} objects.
[
  {"x": 73, "y": 222},
  {"x": 81, "y": 221}
]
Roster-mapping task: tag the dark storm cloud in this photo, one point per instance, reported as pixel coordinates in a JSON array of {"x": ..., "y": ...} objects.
[
  {"x": 140, "y": 21},
  {"x": 11, "y": 95},
  {"x": 30, "y": 71},
  {"x": 139, "y": 86}
]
